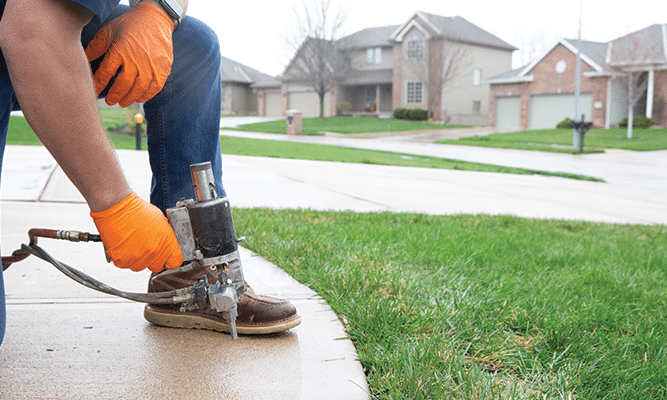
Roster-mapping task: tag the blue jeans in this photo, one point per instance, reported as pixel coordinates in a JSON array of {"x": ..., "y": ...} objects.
[{"x": 183, "y": 120}]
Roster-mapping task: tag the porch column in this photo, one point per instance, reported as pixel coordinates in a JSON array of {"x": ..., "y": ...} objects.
[
  {"x": 333, "y": 104},
  {"x": 377, "y": 98},
  {"x": 649, "y": 94},
  {"x": 607, "y": 116}
]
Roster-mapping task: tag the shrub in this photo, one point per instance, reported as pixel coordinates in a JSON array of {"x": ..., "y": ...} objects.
[
  {"x": 417, "y": 114},
  {"x": 343, "y": 106},
  {"x": 565, "y": 124},
  {"x": 640, "y": 121},
  {"x": 401, "y": 113}
]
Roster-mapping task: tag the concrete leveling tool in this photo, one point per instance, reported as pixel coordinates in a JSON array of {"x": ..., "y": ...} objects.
[{"x": 205, "y": 232}]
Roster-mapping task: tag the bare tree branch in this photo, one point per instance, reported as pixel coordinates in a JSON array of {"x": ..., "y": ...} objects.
[
  {"x": 317, "y": 62},
  {"x": 454, "y": 61},
  {"x": 532, "y": 45},
  {"x": 449, "y": 60},
  {"x": 629, "y": 58}
]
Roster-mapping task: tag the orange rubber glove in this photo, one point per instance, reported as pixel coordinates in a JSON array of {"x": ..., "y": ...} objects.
[
  {"x": 140, "y": 42},
  {"x": 137, "y": 235}
]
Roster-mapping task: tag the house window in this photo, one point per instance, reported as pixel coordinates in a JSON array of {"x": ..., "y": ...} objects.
[
  {"x": 374, "y": 55},
  {"x": 476, "y": 107},
  {"x": 415, "y": 47},
  {"x": 477, "y": 77},
  {"x": 414, "y": 92}
]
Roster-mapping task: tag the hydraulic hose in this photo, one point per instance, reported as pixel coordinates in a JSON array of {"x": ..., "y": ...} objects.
[
  {"x": 34, "y": 233},
  {"x": 172, "y": 297}
]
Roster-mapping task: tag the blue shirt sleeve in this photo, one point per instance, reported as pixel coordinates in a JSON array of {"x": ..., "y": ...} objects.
[{"x": 101, "y": 8}]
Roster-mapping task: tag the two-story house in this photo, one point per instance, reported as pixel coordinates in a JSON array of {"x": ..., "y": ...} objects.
[{"x": 431, "y": 62}]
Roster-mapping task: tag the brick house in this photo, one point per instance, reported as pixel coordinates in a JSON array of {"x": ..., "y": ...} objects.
[
  {"x": 541, "y": 94},
  {"x": 405, "y": 66}
]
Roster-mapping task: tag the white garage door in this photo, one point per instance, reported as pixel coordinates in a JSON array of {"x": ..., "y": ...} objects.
[
  {"x": 548, "y": 110},
  {"x": 306, "y": 102},
  {"x": 272, "y": 103},
  {"x": 508, "y": 113}
]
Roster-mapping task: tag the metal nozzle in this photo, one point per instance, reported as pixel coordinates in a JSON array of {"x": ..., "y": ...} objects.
[
  {"x": 223, "y": 298},
  {"x": 204, "y": 183}
]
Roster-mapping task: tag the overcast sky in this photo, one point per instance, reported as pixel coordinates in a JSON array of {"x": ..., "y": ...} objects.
[{"x": 252, "y": 31}]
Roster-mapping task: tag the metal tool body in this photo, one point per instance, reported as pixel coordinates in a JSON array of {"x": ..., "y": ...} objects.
[{"x": 205, "y": 231}]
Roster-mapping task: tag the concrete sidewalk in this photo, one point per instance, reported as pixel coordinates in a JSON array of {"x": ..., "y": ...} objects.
[{"x": 65, "y": 341}]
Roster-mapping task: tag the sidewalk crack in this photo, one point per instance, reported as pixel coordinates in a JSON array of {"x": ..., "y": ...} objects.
[{"x": 48, "y": 181}]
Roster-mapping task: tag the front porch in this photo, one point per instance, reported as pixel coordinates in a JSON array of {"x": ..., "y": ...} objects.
[
  {"x": 368, "y": 92},
  {"x": 367, "y": 99}
]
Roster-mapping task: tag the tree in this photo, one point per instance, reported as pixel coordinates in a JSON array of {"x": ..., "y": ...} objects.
[
  {"x": 454, "y": 60},
  {"x": 449, "y": 59},
  {"x": 637, "y": 84},
  {"x": 317, "y": 61},
  {"x": 631, "y": 59},
  {"x": 532, "y": 44}
]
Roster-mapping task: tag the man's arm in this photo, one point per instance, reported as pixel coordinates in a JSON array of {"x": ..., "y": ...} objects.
[{"x": 41, "y": 41}]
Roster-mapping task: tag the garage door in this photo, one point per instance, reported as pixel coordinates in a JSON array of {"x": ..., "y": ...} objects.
[
  {"x": 272, "y": 103},
  {"x": 307, "y": 102},
  {"x": 548, "y": 110},
  {"x": 508, "y": 113}
]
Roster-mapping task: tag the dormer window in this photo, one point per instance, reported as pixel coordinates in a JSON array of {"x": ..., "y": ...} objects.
[{"x": 415, "y": 47}]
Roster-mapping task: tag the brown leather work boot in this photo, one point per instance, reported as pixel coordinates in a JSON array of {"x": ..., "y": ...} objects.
[{"x": 257, "y": 315}]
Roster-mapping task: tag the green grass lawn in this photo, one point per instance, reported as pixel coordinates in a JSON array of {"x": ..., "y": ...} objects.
[
  {"x": 345, "y": 125},
  {"x": 113, "y": 117},
  {"x": 484, "y": 307},
  {"x": 318, "y": 152},
  {"x": 595, "y": 140},
  {"x": 20, "y": 133}
]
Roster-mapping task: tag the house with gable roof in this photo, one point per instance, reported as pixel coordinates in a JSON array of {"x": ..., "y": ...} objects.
[
  {"x": 542, "y": 93},
  {"x": 403, "y": 66},
  {"x": 239, "y": 87}
]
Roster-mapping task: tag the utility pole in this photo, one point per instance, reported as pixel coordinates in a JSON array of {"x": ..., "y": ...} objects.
[{"x": 577, "y": 84}]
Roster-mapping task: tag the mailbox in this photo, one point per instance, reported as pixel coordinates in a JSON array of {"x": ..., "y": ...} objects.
[
  {"x": 293, "y": 122},
  {"x": 581, "y": 127}
]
